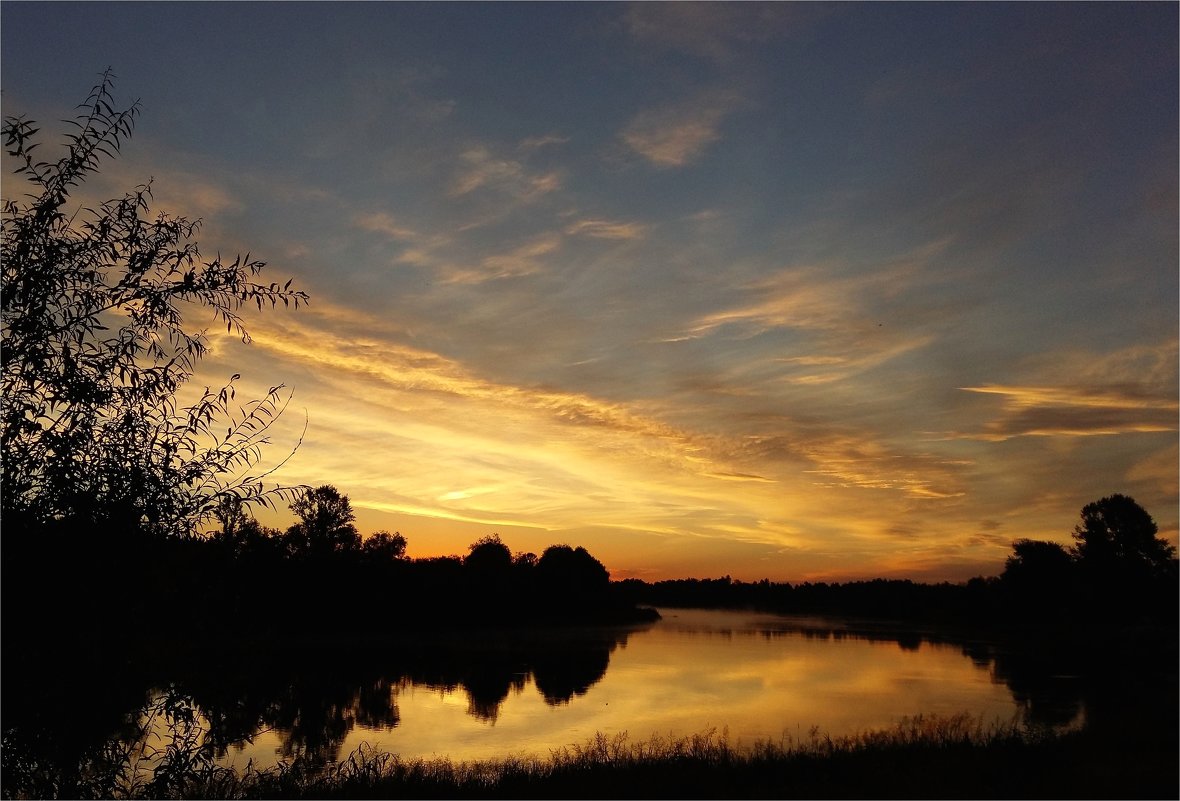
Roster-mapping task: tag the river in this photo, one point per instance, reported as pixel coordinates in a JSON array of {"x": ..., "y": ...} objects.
[{"x": 751, "y": 677}]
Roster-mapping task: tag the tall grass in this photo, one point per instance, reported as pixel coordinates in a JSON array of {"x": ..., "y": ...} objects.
[{"x": 923, "y": 756}]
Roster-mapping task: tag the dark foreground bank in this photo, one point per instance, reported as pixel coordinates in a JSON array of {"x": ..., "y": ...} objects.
[
  {"x": 938, "y": 764},
  {"x": 920, "y": 758}
]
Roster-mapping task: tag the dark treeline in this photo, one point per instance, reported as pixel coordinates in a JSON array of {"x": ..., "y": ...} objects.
[
  {"x": 319, "y": 579},
  {"x": 316, "y": 581},
  {"x": 878, "y": 598},
  {"x": 1119, "y": 571}
]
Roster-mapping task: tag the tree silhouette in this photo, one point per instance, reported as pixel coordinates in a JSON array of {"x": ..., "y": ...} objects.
[
  {"x": 1118, "y": 535},
  {"x": 488, "y": 555},
  {"x": 524, "y": 560},
  {"x": 239, "y": 532},
  {"x": 571, "y": 580},
  {"x": 573, "y": 567},
  {"x": 383, "y": 546},
  {"x": 94, "y": 348},
  {"x": 1039, "y": 576},
  {"x": 1118, "y": 569},
  {"x": 325, "y": 523},
  {"x": 1037, "y": 561}
]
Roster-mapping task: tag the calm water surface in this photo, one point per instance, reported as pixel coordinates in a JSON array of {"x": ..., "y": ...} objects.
[{"x": 755, "y": 676}]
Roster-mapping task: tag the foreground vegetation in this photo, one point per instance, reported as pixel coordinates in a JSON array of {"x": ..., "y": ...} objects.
[{"x": 921, "y": 757}]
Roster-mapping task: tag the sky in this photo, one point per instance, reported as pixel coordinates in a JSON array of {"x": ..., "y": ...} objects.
[{"x": 796, "y": 291}]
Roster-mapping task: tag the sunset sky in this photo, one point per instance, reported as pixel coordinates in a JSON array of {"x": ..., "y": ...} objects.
[{"x": 798, "y": 291}]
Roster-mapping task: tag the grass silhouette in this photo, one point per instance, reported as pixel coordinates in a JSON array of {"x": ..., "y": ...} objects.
[{"x": 956, "y": 756}]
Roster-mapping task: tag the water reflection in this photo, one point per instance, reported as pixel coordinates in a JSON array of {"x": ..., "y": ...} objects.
[
  {"x": 311, "y": 706},
  {"x": 472, "y": 697},
  {"x": 1043, "y": 681}
]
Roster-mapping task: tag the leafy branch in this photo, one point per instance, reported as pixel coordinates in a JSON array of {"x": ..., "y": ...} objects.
[{"x": 94, "y": 348}]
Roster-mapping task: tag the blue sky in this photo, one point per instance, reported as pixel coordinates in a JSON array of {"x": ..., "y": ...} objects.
[{"x": 786, "y": 290}]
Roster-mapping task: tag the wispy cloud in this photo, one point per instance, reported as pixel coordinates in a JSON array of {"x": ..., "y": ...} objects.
[
  {"x": 537, "y": 142},
  {"x": 482, "y": 170},
  {"x": 525, "y": 259},
  {"x": 715, "y": 31},
  {"x": 1065, "y": 411},
  {"x": 607, "y": 229},
  {"x": 804, "y": 298},
  {"x": 828, "y": 297},
  {"x": 383, "y": 223},
  {"x": 1122, "y": 391},
  {"x": 841, "y": 323},
  {"x": 407, "y": 368},
  {"x": 195, "y": 196},
  {"x": 1079, "y": 397},
  {"x": 678, "y": 134},
  {"x": 177, "y": 190},
  {"x": 860, "y": 461},
  {"x": 1158, "y": 470}
]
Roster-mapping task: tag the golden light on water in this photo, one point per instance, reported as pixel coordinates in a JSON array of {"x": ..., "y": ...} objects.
[{"x": 693, "y": 672}]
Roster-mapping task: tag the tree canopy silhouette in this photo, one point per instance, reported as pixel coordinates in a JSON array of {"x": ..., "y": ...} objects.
[
  {"x": 489, "y": 555},
  {"x": 1118, "y": 568},
  {"x": 1040, "y": 576},
  {"x": 1039, "y": 562},
  {"x": 325, "y": 523},
  {"x": 385, "y": 546},
  {"x": 95, "y": 349},
  {"x": 574, "y": 570},
  {"x": 1117, "y": 534}
]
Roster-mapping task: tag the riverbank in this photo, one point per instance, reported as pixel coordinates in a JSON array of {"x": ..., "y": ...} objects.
[{"x": 955, "y": 757}]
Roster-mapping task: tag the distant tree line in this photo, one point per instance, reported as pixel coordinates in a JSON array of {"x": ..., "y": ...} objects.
[{"x": 1117, "y": 571}]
